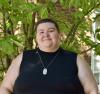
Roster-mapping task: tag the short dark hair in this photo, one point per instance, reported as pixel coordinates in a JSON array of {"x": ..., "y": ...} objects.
[{"x": 46, "y": 20}]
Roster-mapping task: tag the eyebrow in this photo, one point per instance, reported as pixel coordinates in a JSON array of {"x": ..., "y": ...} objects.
[{"x": 52, "y": 28}]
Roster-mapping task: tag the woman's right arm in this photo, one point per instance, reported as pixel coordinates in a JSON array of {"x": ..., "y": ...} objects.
[{"x": 11, "y": 75}]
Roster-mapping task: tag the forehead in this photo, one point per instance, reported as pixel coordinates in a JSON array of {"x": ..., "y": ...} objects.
[{"x": 46, "y": 25}]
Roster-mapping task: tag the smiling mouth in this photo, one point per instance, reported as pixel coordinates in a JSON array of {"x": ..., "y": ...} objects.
[{"x": 46, "y": 39}]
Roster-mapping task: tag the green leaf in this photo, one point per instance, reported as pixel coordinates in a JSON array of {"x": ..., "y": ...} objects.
[
  {"x": 6, "y": 47},
  {"x": 51, "y": 7},
  {"x": 44, "y": 12},
  {"x": 97, "y": 49},
  {"x": 98, "y": 36},
  {"x": 88, "y": 41},
  {"x": 3, "y": 3},
  {"x": 63, "y": 27},
  {"x": 54, "y": 1},
  {"x": 97, "y": 30},
  {"x": 62, "y": 2}
]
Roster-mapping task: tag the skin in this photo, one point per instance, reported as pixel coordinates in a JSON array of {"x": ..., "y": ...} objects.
[
  {"x": 11, "y": 75},
  {"x": 86, "y": 76},
  {"x": 48, "y": 39},
  {"x": 47, "y": 36}
]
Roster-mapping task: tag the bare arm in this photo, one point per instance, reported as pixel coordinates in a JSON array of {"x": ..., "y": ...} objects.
[
  {"x": 11, "y": 75},
  {"x": 86, "y": 77}
]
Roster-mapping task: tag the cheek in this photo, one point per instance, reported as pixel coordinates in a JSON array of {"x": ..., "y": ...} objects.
[
  {"x": 38, "y": 38},
  {"x": 56, "y": 38}
]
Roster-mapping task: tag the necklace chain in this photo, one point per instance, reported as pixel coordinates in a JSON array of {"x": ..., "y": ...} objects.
[{"x": 45, "y": 67}]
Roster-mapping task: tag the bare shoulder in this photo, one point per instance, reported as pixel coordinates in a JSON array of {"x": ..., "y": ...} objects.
[
  {"x": 84, "y": 69},
  {"x": 83, "y": 66},
  {"x": 17, "y": 60},
  {"x": 12, "y": 73},
  {"x": 86, "y": 76},
  {"x": 81, "y": 62}
]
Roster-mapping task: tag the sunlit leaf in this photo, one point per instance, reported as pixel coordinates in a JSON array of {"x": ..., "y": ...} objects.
[{"x": 44, "y": 12}]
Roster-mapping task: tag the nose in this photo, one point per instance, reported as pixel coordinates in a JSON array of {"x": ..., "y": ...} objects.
[{"x": 46, "y": 34}]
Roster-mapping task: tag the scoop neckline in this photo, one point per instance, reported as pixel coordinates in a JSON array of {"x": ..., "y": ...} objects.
[{"x": 41, "y": 51}]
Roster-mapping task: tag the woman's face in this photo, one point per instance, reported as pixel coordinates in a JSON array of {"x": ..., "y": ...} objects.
[{"x": 47, "y": 36}]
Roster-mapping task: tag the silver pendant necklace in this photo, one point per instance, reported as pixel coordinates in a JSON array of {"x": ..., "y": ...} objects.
[{"x": 45, "y": 70}]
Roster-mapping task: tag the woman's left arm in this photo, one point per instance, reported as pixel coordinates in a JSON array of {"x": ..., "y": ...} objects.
[{"x": 86, "y": 76}]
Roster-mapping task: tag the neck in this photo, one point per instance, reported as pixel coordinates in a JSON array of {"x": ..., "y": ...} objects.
[{"x": 49, "y": 49}]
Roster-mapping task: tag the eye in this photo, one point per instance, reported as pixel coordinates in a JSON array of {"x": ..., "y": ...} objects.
[
  {"x": 40, "y": 31},
  {"x": 51, "y": 30}
]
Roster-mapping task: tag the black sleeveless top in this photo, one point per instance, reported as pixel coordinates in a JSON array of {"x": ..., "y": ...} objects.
[{"x": 62, "y": 76}]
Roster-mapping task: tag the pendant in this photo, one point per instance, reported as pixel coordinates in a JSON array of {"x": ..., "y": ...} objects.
[{"x": 45, "y": 71}]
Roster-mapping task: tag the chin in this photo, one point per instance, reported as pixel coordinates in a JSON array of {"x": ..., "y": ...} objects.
[{"x": 49, "y": 46}]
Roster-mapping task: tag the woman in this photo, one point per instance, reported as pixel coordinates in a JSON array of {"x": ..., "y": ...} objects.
[{"x": 48, "y": 69}]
